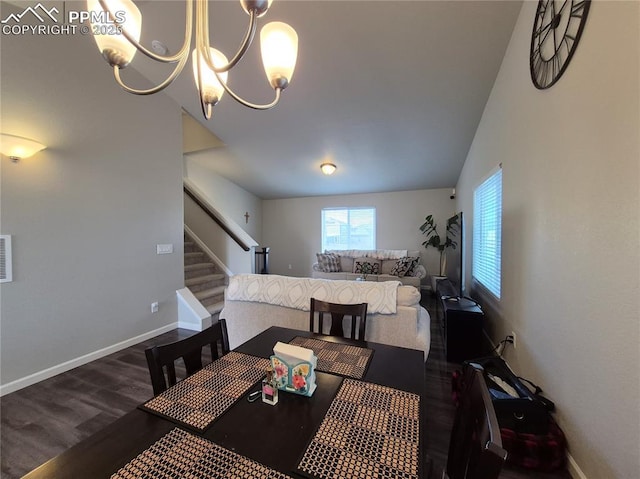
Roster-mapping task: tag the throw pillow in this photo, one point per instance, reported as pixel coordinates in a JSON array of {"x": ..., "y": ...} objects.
[
  {"x": 404, "y": 266},
  {"x": 328, "y": 262},
  {"x": 366, "y": 266}
]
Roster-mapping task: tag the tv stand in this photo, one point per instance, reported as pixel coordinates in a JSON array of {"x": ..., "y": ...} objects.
[{"x": 463, "y": 323}]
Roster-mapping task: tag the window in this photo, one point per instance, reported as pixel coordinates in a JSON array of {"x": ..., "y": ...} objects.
[
  {"x": 487, "y": 233},
  {"x": 348, "y": 228}
]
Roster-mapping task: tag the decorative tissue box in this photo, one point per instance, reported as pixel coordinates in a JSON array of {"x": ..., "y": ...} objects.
[{"x": 294, "y": 369}]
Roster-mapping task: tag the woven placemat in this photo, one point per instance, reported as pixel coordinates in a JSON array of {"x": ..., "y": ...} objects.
[
  {"x": 180, "y": 454},
  {"x": 201, "y": 398},
  {"x": 370, "y": 431},
  {"x": 343, "y": 359}
]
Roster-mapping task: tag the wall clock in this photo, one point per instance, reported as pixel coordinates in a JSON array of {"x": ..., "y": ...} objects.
[{"x": 556, "y": 32}]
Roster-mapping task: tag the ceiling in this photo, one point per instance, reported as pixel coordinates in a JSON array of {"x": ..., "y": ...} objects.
[{"x": 390, "y": 91}]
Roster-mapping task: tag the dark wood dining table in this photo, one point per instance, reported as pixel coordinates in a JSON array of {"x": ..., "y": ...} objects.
[{"x": 275, "y": 436}]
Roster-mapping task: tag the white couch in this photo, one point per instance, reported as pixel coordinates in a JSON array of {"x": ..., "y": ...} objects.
[
  {"x": 253, "y": 303},
  {"x": 386, "y": 259}
]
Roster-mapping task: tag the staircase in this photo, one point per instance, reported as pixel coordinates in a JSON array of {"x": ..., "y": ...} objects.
[{"x": 203, "y": 277}]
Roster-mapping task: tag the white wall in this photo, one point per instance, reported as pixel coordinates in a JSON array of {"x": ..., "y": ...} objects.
[
  {"x": 571, "y": 235},
  {"x": 87, "y": 212},
  {"x": 292, "y": 227},
  {"x": 227, "y": 197}
]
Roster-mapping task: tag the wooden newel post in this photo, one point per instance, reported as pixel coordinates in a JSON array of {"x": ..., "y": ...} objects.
[{"x": 263, "y": 264}]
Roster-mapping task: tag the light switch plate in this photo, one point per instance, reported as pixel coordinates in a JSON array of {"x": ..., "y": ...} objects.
[{"x": 164, "y": 248}]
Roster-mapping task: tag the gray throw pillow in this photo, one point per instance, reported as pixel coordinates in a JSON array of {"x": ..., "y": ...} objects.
[{"x": 328, "y": 262}]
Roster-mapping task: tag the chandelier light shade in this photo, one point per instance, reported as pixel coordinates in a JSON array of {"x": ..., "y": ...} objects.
[
  {"x": 209, "y": 86},
  {"x": 17, "y": 147},
  {"x": 210, "y": 67},
  {"x": 115, "y": 48},
  {"x": 328, "y": 168},
  {"x": 279, "y": 44}
]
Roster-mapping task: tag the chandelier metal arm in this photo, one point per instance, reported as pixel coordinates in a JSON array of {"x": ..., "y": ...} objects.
[
  {"x": 207, "y": 108},
  {"x": 176, "y": 71},
  {"x": 202, "y": 45},
  {"x": 202, "y": 38},
  {"x": 119, "y": 55},
  {"x": 183, "y": 52},
  {"x": 255, "y": 106}
]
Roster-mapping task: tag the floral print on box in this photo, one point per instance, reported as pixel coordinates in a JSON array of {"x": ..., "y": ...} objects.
[{"x": 294, "y": 378}]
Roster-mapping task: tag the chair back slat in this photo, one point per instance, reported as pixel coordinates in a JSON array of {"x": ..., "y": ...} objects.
[
  {"x": 475, "y": 448},
  {"x": 161, "y": 359},
  {"x": 336, "y": 313},
  {"x": 171, "y": 374},
  {"x": 193, "y": 360}
]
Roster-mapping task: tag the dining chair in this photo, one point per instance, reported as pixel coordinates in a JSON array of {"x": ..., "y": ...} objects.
[
  {"x": 161, "y": 359},
  {"x": 337, "y": 312},
  {"x": 475, "y": 447}
]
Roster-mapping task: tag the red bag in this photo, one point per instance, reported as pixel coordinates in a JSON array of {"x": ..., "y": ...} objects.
[{"x": 542, "y": 452}]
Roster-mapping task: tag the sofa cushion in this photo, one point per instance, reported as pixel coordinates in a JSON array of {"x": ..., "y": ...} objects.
[
  {"x": 387, "y": 265},
  {"x": 404, "y": 266},
  {"x": 358, "y": 277},
  {"x": 328, "y": 262},
  {"x": 406, "y": 280},
  {"x": 346, "y": 263},
  {"x": 366, "y": 266}
]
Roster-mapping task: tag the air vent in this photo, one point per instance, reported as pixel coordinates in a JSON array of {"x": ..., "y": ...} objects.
[{"x": 6, "y": 274}]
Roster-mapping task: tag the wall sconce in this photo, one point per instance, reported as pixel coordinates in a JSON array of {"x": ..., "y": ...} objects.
[
  {"x": 16, "y": 147},
  {"x": 328, "y": 168}
]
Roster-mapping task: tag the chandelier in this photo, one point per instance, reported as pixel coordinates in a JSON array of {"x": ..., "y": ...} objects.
[{"x": 116, "y": 25}]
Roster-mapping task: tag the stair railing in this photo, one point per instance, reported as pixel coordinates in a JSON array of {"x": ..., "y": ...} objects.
[{"x": 213, "y": 215}]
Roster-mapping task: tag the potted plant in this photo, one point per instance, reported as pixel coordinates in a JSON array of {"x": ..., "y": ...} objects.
[{"x": 430, "y": 230}]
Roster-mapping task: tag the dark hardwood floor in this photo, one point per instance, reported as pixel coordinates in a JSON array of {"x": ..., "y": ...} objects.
[{"x": 41, "y": 421}]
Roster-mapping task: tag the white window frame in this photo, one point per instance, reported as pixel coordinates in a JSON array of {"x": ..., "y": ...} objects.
[
  {"x": 349, "y": 211},
  {"x": 487, "y": 233}
]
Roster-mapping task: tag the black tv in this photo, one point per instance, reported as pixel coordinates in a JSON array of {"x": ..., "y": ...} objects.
[{"x": 454, "y": 252}]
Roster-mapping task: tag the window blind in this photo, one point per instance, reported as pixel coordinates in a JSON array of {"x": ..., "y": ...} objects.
[
  {"x": 348, "y": 228},
  {"x": 487, "y": 233}
]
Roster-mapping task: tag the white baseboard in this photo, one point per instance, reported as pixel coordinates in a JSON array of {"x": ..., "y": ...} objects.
[
  {"x": 74, "y": 363},
  {"x": 200, "y": 326},
  {"x": 574, "y": 469}
]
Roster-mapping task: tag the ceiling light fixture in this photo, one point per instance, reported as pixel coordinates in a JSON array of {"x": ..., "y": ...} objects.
[
  {"x": 17, "y": 147},
  {"x": 328, "y": 168},
  {"x": 279, "y": 45}
]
